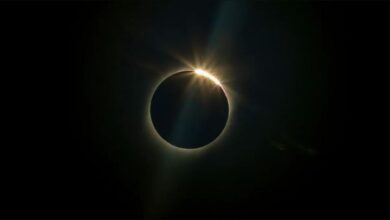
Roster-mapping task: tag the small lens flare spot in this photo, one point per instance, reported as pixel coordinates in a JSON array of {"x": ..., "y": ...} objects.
[{"x": 207, "y": 75}]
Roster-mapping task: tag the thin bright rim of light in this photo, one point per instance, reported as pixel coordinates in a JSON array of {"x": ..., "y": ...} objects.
[{"x": 208, "y": 75}]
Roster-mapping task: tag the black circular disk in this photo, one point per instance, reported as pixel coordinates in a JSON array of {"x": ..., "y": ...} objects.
[{"x": 189, "y": 110}]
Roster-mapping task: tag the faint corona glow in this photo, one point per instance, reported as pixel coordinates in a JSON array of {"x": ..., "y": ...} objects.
[{"x": 207, "y": 75}]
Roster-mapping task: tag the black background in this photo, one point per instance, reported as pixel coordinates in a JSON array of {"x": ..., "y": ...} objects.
[{"x": 72, "y": 139}]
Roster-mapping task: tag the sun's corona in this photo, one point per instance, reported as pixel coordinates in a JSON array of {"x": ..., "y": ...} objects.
[{"x": 184, "y": 115}]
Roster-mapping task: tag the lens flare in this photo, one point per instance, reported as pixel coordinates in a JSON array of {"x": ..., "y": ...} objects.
[{"x": 208, "y": 75}]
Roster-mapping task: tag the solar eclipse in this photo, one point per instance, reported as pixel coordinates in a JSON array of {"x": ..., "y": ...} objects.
[{"x": 189, "y": 109}]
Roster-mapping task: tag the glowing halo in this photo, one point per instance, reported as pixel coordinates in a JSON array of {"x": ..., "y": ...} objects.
[{"x": 161, "y": 141}]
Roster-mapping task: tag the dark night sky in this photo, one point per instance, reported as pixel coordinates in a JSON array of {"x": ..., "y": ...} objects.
[{"x": 308, "y": 137}]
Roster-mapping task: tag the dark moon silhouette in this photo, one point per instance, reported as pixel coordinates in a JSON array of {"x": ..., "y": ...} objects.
[{"x": 189, "y": 110}]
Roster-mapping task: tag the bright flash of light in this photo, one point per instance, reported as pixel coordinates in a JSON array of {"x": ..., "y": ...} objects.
[{"x": 207, "y": 75}]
